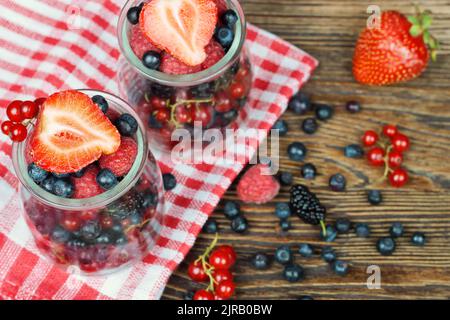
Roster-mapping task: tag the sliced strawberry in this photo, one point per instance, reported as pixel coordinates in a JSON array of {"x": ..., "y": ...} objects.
[
  {"x": 87, "y": 186},
  {"x": 183, "y": 28},
  {"x": 121, "y": 161},
  {"x": 171, "y": 65},
  {"x": 71, "y": 133},
  {"x": 139, "y": 42},
  {"x": 214, "y": 53}
]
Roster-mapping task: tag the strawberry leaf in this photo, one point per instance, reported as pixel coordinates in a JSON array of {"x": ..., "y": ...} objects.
[
  {"x": 426, "y": 22},
  {"x": 415, "y": 31},
  {"x": 414, "y": 20}
]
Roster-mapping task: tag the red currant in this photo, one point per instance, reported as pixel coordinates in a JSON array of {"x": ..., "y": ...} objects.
[
  {"x": 222, "y": 275},
  {"x": 71, "y": 222},
  {"x": 223, "y": 102},
  {"x": 370, "y": 138},
  {"x": 161, "y": 115},
  {"x": 18, "y": 132},
  {"x": 29, "y": 110},
  {"x": 400, "y": 142},
  {"x": 376, "y": 156},
  {"x": 390, "y": 130},
  {"x": 106, "y": 222},
  {"x": 39, "y": 102},
  {"x": 6, "y": 127},
  {"x": 88, "y": 215},
  {"x": 183, "y": 115},
  {"x": 395, "y": 159},
  {"x": 398, "y": 177},
  {"x": 242, "y": 73},
  {"x": 13, "y": 111},
  {"x": 237, "y": 90},
  {"x": 196, "y": 272},
  {"x": 203, "y": 295},
  {"x": 220, "y": 260},
  {"x": 202, "y": 113},
  {"x": 158, "y": 102},
  {"x": 230, "y": 251},
  {"x": 225, "y": 289}
]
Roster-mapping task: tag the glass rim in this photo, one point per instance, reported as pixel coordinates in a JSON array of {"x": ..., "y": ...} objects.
[
  {"x": 101, "y": 200},
  {"x": 207, "y": 75}
]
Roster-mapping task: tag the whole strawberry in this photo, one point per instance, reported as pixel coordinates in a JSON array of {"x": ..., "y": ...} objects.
[{"x": 397, "y": 51}]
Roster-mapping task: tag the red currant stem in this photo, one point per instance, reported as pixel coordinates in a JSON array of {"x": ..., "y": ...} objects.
[
  {"x": 324, "y": 228},
  {"x": 173, "y": 107},
  {"x": 140, "y": 225},
  {"x": 206, "y": 266}
]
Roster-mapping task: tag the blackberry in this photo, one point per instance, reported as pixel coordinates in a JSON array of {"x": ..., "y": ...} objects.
[
  {"x": 307, "y": 206},
  {"x": 132, "y": 202}
]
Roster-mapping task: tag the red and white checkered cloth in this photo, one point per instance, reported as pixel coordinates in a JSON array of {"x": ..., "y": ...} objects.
[{"x": 49, "y": 45}]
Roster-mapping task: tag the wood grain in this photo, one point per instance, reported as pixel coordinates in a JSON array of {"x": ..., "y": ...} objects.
[{"x": 328, "y": 29}]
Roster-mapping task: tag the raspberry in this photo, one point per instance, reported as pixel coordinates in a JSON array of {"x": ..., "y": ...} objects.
[
  {"x": 214, "y": 53},
  {"x": 140, "y": 43},
  {"x": 87, "y": 186},
  {"x": 122, "y": 160},
  {"x": 171, "y": 65},
  {"x": 254, "y": 187}
]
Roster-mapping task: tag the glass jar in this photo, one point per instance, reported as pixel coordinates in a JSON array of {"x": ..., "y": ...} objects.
[
  {"x": 212, "y": 98},
  {"x": 122, "y": 223}
]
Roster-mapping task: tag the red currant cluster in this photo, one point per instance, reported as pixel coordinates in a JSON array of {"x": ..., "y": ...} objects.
[
  {"x": 388, "y": 153},
  {"x": 214, "y": 266},
  {"x": 19, "y": 114}
]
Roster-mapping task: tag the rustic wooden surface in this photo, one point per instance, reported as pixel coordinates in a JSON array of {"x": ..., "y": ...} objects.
[{"x": 328, "y": 29}]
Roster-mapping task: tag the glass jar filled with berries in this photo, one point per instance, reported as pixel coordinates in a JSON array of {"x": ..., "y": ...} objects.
[
  {"x": 106, "y": 215},
  {"x": 184, "y": 63}
]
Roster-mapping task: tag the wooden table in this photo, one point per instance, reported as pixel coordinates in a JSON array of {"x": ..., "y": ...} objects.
[{"x": 328, "y": 29}]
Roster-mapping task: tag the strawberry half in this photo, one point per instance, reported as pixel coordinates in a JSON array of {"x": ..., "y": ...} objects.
[
  {"x": 71, "y": 133},
  {"x": 183, "y": 28}
]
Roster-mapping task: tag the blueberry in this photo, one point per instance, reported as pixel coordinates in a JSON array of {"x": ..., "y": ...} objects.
[
  {"x": 37, "y": 174},
  {"x": 49, "y": 184},
  {"x": 149, "y": 199},
  {"x": 225, "y": 37},
  {"x": 285, "y": 225},
  {"x": 151, "y": 60},
  {"x": 328, "y": 254},
  {"x": 79, "y": 173},
  {"x": 101, "y": 102},
  {"x": 135, "y": 219},
  {"x": 337, "y": 182},
  {"x": 282, "y": 210},
  {"x": 121, "y": 240},
  {"x": 310, "y": 125},
  {"x": 386, "y": 246},
  {"x": 239, "y": 224},
  {"x": 340, "y": 267},
  {"x": 362, "y": 230},
  {"x": 60, "y": 235},
  {"x": 127, "y": 125},
  {"x": 162, "y": 91},
  {"x": 61, "y": 175},
  {"x": 211, "y": 226},
  {"x": 281, "y": 126},
  {"x": 260, "y": 261},
  {"x": 300, "y": 103},
  {"x": 374, "y": 197},
  {"x": 306, "y": 250},
  {"x": 106, "y": 179},
  {"x": 353, "y": 106},
  {"x": 63, "y": 188},
  {"x": 169, "y": 181},
  {"x": 283, "y": 255},
  {"x": 189, "y": 295},
  {"x": 418, "y": 239},
  {"x": 331, "y": 234},
  {"x": 204, "y": 90},
  {"x": 305, "y": 298},
  {"x": 76, "y": 244},
  {"x": 343, "y": 225},
  {"x": 104, "y": 238},
  {"x": 133, "y": 14},
  {"x": 286, "y": 178},
  {"x": 229, "y": 18},
  {"x": 353, "y": 151},
  {"x": 293, "y": 273},
  {"x": 309, "y": 171},
  {"x": 117, "y": 228},
  {"x": 231, "y": 209},
  {"x": 297, "y": 151},
  {"x": 153, "y": 122},
  {"x": 396, "y": 230},
  {"x": 90, "y": 230},
  {"x": 323, "y": 111}
]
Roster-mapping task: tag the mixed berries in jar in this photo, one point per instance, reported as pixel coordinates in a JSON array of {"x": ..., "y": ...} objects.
[
  {"x": 192, "y": 70},
  {"x": 91, "y": 191}
]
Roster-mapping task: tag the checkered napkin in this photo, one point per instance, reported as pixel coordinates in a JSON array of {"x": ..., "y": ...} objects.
[{"x": 50, "y": 45}]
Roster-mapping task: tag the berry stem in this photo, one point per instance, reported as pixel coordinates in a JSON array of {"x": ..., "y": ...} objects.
[
  {"x": 206, "y": 266},
  {"x": 324, "y": 228}
]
